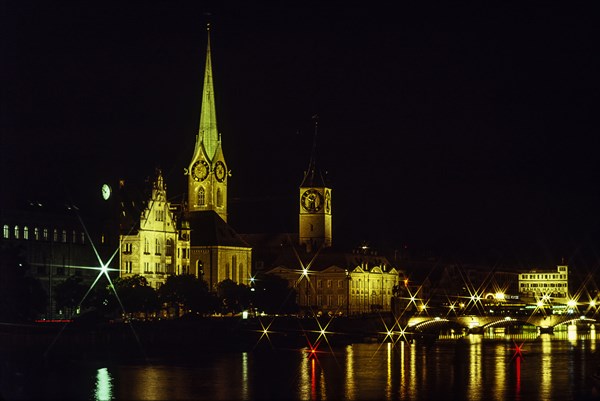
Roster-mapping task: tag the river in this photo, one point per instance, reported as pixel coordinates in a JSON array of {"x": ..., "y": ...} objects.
[{"x": 527, "y": 366}]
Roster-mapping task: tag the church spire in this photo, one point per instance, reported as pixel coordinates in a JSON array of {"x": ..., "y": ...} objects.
[
  {"x": 208, "y": 134},
  {"x": 313, "y": 177}
]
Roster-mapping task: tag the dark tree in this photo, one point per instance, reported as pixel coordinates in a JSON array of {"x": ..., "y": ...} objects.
[
  {"x": 272, "y": 294},
  {"x": 234, "y": 297},
  {"x": 69, "y": 294},
  {"x": 133, "y": 296},
  {"x": 188, "y": 293}
]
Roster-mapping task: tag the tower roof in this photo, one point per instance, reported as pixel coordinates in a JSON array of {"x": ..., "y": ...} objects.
[
  {"x": 208, "y": 134},
  {"x": 313, "y": 176}
]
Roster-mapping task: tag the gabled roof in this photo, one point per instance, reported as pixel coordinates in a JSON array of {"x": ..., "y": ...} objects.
[
  {"x": 209, "y": 229},
  {"x": 294, "y": 257}
]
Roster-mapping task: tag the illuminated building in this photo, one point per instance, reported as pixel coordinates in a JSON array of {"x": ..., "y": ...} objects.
[
  {"x": 326, "y": 280},
  {"x": 548, "y": 285},
  {"x": 155, "y": 246},
  {"x": 218, "y": 252},
  {"x": 192, "y": 237}
]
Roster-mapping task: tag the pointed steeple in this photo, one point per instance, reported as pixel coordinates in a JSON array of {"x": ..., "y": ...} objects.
[
  {"x": 312, "y": 176},
  {"x": 208, "y": 134}
]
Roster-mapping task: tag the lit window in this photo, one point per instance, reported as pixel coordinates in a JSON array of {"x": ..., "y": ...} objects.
[
  {"x": 6, "y": 232},
  {"x": 64, "y": 235},
  {"x": 45, "y": 234},
  {"x": 25, "y": 232},
  {"x": 55, "y": 235},
  {"x": 16, "y": 232},
  {"x": 201, "y": 197},
  {"x": 36, "y": 234}
]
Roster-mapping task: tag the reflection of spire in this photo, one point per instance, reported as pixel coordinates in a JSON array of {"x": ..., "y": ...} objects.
[
  {"x": 312, "y": 177},
  {"x": 208, "y": 134}
]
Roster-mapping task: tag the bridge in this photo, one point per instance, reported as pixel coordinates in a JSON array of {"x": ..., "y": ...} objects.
[{"x": 477, "y": 324}]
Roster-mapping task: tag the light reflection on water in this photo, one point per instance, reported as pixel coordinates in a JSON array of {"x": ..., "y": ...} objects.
[{"x": 475, "y": 367}]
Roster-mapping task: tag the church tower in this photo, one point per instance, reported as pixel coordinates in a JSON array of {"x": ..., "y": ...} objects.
[
  {"x": 207, "y": 172},
  {"x": 315, "y": 206}
]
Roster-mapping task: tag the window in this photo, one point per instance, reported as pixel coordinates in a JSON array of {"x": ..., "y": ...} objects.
[
  {"x": 36, "y": 234},
  {"x": 201, "y": 197},
  {"x": 16, "y": 232},
  {"x": 128, "y": 266},
  {"x": 127, "y": 247},
  {"x": 55, "y": 235},
  {"x": 147, "y": 267},
  {"x": 234, "y": 276},
  {"x": 146, "y": 246},
  {"x": 169, "y": 249},
  {"x": 64, "y": 236},
  {"x": 340, "y": 284},
  {"x": 328, "y": 283},
  {"x": 45, "y": 234},
  {"x": 25, "y": 232},
  {"x": 6, "y": 232},
  {"x": 157, "y": 246},
  {"x": 74, "y": 236},
  {"x": 219, "y": 198}
]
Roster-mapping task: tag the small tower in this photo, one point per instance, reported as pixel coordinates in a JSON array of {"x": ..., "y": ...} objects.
[
  {"x": 207, "y": 172},
  {"x": 314, "y": 205}
]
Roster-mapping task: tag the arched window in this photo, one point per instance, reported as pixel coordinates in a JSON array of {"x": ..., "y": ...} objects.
[
  {"x": 6, "y": 231},
  {"x": 219, "y": 198},
  {"x": 16, "y": 232},
  {"x": 25, "y": 232},
  {"x": 64, "y": 235},
  {"x": 55, "y": 235},
  {"x": 201, "y": 196},
  {"x": 146, "y": 245},
  {"x": 36, "y": 234},
  {"x": 157, "y": 246},
  {"x": 45, "y": 234}
]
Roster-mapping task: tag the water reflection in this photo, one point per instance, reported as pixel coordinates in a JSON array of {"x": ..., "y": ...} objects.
[
  {"x": 103, "y": 390},
  {"x": 474, "y": 367}
]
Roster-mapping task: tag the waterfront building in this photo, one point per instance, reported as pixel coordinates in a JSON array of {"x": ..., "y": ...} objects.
[
  {"x": 53, "y": 242},
  {"x": 327, "y": 280},
  {"x": 192, "y": 237},
  {"x": 550, "y": 286},
  {"x": 156, "y": 244}
]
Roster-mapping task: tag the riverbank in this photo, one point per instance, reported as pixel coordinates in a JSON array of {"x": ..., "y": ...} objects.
[{"x": 188, "y": 337}]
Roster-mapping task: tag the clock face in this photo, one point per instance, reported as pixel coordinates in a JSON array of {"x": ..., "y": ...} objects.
[
  {"x": 220, "y": 171},
  {"x": 200, "y": 170},
  {"x": 327, "y": 201},
  {"x": 312, "y": 200},
  {"x": 106, "y": 191}
]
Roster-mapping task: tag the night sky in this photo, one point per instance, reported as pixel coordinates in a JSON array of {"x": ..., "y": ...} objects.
[{"x": 465, "y": 132}]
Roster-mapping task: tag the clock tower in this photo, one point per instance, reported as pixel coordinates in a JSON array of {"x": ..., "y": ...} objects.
[
  {"x": 315, "y": 206},
  {"x": 207, "y": 172}
]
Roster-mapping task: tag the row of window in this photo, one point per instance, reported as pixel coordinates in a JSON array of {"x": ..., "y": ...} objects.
[
  {"x": 545, "y": 285},
  {"x": 543, "y": 276},
  {"x": 43, "y": 234}
]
